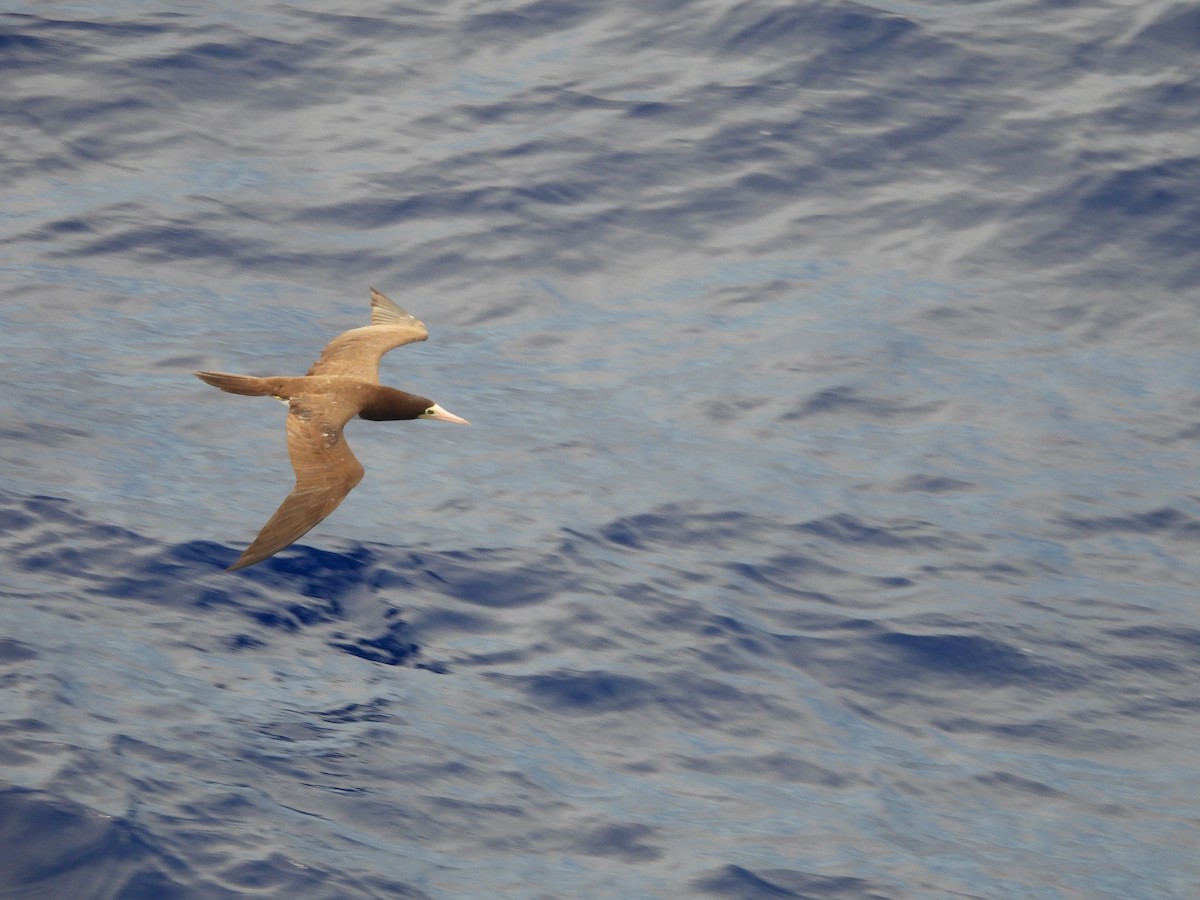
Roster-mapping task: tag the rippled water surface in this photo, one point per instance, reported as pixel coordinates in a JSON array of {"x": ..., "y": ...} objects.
[{"x": 828, "y": 523}]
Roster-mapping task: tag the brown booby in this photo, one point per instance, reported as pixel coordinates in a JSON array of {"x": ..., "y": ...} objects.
[{"x": 343, "y": 383}]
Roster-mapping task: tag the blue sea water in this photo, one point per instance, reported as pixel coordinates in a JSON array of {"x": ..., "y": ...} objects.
[{"x": 828, "y": 522}]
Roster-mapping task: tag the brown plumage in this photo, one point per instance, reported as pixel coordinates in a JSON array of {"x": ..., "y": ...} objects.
[{"x": 343, "y": 383}]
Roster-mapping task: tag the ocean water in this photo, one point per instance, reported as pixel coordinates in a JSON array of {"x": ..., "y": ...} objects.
[{"x": 828, "y": 525}]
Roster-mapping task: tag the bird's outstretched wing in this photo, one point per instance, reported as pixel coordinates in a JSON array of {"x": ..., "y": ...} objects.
[
  {"x": 326, "y": 471},
  {"x": 355, "y": 353}
]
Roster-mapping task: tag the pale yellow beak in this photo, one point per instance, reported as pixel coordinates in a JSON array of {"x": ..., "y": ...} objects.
[{"x": 436, "y": 412}]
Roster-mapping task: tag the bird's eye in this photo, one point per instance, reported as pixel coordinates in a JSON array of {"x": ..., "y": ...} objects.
[{"x": 429, "y": 412}]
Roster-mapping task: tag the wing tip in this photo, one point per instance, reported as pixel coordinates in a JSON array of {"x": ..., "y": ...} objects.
[
  {"x": 248, "y": 559},
  {"x": 386, "y": 311}
]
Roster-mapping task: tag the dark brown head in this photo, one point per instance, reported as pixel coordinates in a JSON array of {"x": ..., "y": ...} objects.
[{"x": 389, "y": 405}]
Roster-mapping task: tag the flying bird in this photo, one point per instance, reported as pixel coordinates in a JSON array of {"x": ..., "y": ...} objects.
[{"x": 342, "y": 384}]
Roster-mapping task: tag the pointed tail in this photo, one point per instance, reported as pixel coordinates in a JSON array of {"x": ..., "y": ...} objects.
[{"x": 240, "y": 384}]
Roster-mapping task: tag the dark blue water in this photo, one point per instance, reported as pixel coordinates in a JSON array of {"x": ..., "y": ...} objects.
[{"x": 828, "y": 523}]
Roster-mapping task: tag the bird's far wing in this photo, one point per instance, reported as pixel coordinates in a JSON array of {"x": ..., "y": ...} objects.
[
  {"x": 326, "y": 471},
  {"x": 356, "y": 353}
]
